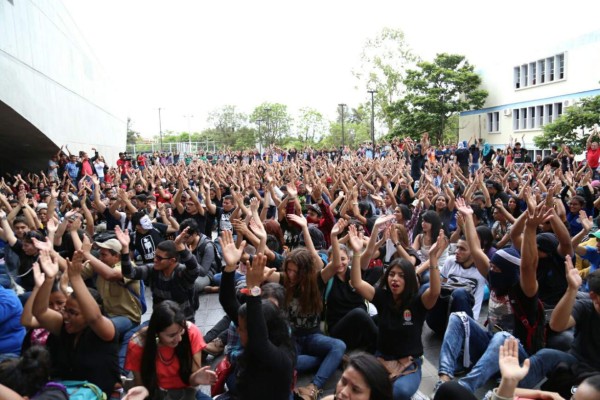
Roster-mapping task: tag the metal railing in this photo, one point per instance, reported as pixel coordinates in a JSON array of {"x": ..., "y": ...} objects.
[{"x": 174, "y": 147}]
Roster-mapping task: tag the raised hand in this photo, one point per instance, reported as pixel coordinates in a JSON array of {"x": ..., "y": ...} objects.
[
  {"x": 255, "y": 274},
  {"x": 356, "y": 239},
  {"x": 537, "y": 216},
  {"x": 52, "y": 226},
  {"x": 231, "y": 254},
  {"x": 258, "y": 229},
  {"x": 291, "y": 189},
  {"x": 339, "y": 227},
  {"x": 298, "y": 219},
  {"x": 76, "y": 263},
  {"x": 573, "y": 278},
  {"x": 86, "y": 244},
  {"x": 38, "y": 275},
  {"x": 463, "y": 207},
  {"x": 122, "y": 237},
  {"x": 440, "y": 244},
  {"x": 181, "y": 239},
  {"x": 509, "y": 361},
  {"x": 42, "y": 244},
  {"x": 586, "y": 222},
  {"x": 254, "y": 203},
  {"x": 49, "y": 265}
]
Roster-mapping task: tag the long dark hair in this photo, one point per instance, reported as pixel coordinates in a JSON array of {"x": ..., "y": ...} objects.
[
  {"x": 307, "y": 288},
  {"x": 411, "y": 285},
  {"x": 279, "y": 335},
  {"x": 164, "y": 315},
  {"x": 26, "y": 375},
  {"x": 432, "y": 218},
  {"x": 486, "y": 237},
  {"x": 374, "y": 374}
]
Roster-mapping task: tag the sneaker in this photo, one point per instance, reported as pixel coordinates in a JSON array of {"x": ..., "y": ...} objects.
[
  {"x": 215, "y": 347},
  {"x": 419, "y": 396}
]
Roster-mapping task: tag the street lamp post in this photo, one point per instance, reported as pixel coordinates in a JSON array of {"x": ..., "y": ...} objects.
[
  {"x": 343, "y": 135},
  {"x": 268, "y": 111},
  {"x": 160, "y": 130},
  {"x": 259, "y": 121},
  {"x": 373, "y": 120},
  {"x": 189, "y": 131}
]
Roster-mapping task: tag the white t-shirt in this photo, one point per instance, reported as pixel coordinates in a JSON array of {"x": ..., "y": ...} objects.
[
  {"x": 99, "y": 167},
  {"x": 471, "y": 276}
]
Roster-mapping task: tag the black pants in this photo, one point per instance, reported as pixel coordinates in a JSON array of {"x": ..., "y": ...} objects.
[
  {"x": 453, "y": 391},
  {"x": 219, "y": 330},
  {"x": 357, "y": 330}
]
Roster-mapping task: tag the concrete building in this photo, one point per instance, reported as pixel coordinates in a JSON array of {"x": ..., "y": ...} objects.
[
  {"x": 52, "y": 89},
  {"x": 528, "y": 91}
]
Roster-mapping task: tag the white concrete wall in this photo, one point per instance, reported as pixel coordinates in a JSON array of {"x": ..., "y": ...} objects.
[
  {"x": 582, "y": 76},
  {"x": 50, "y": 77}
]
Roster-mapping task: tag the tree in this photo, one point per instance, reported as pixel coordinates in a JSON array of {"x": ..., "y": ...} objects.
[
  {"x": 276, "y": 122},
  {"x": 132, "y": 136},
  {"x": 226, "y": 122},
  {"x": 569, "y": 128},
  {"x": 311, "y": 125},
  {"x": 436, "y": 91},
  {"x": 384, "y": 60}
]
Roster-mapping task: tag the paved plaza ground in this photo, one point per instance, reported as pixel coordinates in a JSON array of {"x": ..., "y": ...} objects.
[{"x": 210, "y": 312}]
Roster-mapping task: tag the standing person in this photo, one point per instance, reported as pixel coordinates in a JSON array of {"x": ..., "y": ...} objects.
[
  {"x": 401, "y": 310},
  {"x": 166, "y": 356},
  {"x": 82, "y": 342},
  {"x": 519, "y": 154},
  {"x": 592, "y": 155}
]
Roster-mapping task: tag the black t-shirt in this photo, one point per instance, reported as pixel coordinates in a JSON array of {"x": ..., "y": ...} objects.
[
  {"x": 462, "y": 156},
  {"x": 25, "y": 266},
  {"x": 552, "y": 281},
  {"x": 199, "y": 218},
  {"x": 416, "y": 164},
  {"x": 341, "y": 300},
  {"x": 85, "y": 357},
  {"x": 399, "y": 329},
  {"x": 111, "y": 222},
  {"x": 146, "y": 243},
  {"x": 488, "y": 157},
  {"x": 586, "y": 346},
  {"x": 519, "y": 155}
]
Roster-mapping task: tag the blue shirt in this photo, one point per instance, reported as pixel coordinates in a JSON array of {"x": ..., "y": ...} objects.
[
  {"x": 11, "y": 330},
  {"x": 593, "y": 256}
]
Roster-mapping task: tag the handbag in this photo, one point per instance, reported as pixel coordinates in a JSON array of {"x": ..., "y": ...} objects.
[
  {"x": 400, "y": 367},
  {"x": 223, "y": 370}
]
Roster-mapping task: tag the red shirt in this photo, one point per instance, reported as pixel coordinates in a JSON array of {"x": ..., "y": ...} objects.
[
  {"x": 167, "y": 373},
  {"x": 592, "y": 157}
]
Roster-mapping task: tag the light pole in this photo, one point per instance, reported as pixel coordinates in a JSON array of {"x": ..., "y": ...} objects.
[
  {"x": 268, "y": 111},
  {"x": 259, "y": 121},
  {"x": 343, "y": 136},
  {"x": 160, "y": 129},
  {"x": 373, "y": 120},
  {"x": 189, "y": 131}
]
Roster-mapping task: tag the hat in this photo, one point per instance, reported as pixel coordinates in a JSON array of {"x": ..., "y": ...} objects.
[
  {"x": 111, "y": 244},
  {"x": 596, "y": 183},
  {"x": 596, "y": 234},
  {"x": 507, "y": 259},
  {"x": 41, "y": 206},
  {"x": 315, "y": 208},
  {"x": 146, "y": 222},
  {"x": 329, "y": 179}
]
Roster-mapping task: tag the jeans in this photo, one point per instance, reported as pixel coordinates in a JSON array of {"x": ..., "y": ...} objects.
[
  {"x": 487, "y": 366},
  {"x": 473, "y": 168},
  {"x": 319, "y": 351},
  {"x": 238, "y": 277},
  {"x": 541, "y": 363},
  {"x": 219, "y": 330},
  {"x": 125, "y": 329},
  {"x": 404, "y": 387},
  {"x": 357, "y": 330},
  {"x": 438, "y": 316}
]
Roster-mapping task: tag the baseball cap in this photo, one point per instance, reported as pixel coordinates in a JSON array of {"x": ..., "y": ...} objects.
[{"x": 111, "y": 244}]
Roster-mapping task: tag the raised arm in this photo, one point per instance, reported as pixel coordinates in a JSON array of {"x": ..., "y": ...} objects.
[
  {"x": 47, "y": 318},
  {"x": 102, "y": 326},
  {"x": 431, "y": 295},
  {"x": 481, "y": 260},
  {"x": 561, "y": 318},
  {"x": 363, "y": 288},
  {"x": 329, "y": 271}
]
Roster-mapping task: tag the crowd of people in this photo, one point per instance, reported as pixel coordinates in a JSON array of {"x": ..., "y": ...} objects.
[{"x": 321, "y": 260}]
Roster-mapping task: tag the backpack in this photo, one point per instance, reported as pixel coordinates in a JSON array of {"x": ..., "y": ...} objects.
[
  {"x": 142, "y": 296},
  {"x": 532, "y": 336},
  {"x": 83, "y": 390},
  {"x": 217, "y": 263}
]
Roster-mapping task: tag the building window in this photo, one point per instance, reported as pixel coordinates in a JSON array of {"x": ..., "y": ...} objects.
[
  {"x": 493, "y": 122},
  {"x": 549, "y": 69}
]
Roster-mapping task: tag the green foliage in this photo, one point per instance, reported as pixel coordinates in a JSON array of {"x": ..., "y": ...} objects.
[
  {"x": 384, "y": 61},
  {"x": 569, "y": 127},
  {"x": 311, "y": 125},
  {"x": 276, "y": 122},
  {"x": 435, "y": 92},
  {"x": 132, "y": 136},
  {"x": 226, "y": 122}
]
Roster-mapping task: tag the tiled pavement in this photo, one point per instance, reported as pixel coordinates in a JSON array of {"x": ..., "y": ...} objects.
[{"x": 210, "y": 312}]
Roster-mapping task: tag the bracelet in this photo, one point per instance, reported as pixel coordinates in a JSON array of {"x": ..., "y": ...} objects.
[
  {"x": 397, "y": 244},
  {"x": 434, "y": 267}
]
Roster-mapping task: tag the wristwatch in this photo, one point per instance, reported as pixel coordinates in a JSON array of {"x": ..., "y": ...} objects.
[{"x": 255, "y": 291}]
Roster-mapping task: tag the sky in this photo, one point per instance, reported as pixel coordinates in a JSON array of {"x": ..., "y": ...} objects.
[{"x": 191, "y": 57}]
